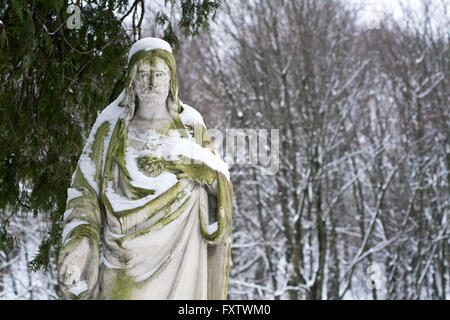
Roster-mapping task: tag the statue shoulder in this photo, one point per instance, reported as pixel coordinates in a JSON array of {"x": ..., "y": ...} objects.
[
  {"x": 107, "y": 119},
  {"x": 193, "y": 121},
  {"x": 102, "y": 129},
  {"x": 190, "y": 116}
]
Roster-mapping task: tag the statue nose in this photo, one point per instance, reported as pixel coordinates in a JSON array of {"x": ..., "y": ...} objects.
[{"x": 152, "y": 81}]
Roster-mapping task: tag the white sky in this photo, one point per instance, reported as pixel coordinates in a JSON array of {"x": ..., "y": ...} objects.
[
  {"x": 394, "y": 7},
  {"x": 370, "y": 9},
  {"x": 374, "y": 9}
]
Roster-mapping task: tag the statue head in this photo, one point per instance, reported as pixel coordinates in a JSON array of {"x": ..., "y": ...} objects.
[
  {"x": 151, "y": 75},
  {"x": 151, "y": 79}
]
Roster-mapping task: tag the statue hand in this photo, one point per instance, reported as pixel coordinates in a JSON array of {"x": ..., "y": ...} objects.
[
  {"x": 78, "y": 270},
  {"x": 71, "y": 275},
  {"x": 200, "y": 173}
]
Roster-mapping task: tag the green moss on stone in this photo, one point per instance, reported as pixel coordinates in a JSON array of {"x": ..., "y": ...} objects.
[{"x": 123, "y": 286}]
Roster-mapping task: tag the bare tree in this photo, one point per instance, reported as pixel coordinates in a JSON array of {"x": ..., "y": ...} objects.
[{"x": 363, "y": 179}]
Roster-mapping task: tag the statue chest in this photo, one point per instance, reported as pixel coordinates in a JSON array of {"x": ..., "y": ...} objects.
[{"x": 151, "y": 152}]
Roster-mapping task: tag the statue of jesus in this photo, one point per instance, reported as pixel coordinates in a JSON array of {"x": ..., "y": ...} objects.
[{"x": 149, "y": 208}]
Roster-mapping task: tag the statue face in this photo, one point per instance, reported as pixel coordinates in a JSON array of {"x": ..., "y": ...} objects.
[{"x": 152, "y": 82}]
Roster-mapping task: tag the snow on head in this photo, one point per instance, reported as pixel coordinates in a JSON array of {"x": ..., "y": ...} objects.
[{"x": 148, "y": 44}]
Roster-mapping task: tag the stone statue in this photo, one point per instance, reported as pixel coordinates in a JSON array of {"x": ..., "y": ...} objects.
[{"x": 149, "y": 208}]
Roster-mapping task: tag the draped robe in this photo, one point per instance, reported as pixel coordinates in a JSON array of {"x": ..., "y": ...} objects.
[{"x": 147, "y": 227}]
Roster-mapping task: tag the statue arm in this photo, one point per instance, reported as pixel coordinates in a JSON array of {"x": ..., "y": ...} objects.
[
  {"x": 219, "y": 248},
  {"x": 78, "y": 262},
  {"x": 218, "y": 187},
  {"x": 79, "y": 257}
]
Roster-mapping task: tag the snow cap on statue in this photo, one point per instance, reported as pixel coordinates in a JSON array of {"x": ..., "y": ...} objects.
[{"x": 148, "y": 44}]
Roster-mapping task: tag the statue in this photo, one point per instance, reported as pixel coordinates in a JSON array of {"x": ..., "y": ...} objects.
[{"x": 149, "y": 208}]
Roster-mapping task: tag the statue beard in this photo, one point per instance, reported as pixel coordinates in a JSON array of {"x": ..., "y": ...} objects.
[
  {"x": 153, "y": 96},
  {"x": 154, "y": 100}
]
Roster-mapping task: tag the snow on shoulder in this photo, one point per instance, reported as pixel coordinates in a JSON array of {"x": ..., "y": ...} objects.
[
  {"x": 148, "y": 44},
  {"x": 110, "y": 114},
  {"x": 191, "y": 116}
]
